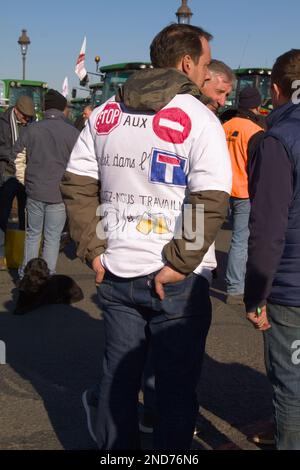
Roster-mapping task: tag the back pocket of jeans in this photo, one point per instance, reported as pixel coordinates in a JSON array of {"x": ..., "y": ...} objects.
[{"x": 180, "y": 289}]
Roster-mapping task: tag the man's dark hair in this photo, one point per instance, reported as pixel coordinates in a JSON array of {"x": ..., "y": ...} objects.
[
  {"x": 286, "y": 70},
  {"x": 175, "y": 41}
]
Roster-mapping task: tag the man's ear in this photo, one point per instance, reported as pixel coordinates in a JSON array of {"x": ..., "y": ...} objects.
[
  {"x": 277, "y": 95},
  {"x": 276, "y": 91},
  {"x": 186, "y": 63}
]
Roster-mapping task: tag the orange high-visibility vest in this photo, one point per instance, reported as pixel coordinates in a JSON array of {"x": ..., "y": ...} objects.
[{"x": 238, "y": 133}]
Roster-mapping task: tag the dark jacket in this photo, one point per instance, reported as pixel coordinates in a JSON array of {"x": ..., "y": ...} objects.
[
  {"x": 6, "y": 144},
  {"x": 273, "y": 269},
  {"x": 286, "y": 283},
  {"x": 48, "y": 145}
]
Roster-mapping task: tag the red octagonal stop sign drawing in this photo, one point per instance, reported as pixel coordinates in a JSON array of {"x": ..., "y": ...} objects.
[
  {"x": 172, "y": 125},
  {"x": 108, "y": 119}
]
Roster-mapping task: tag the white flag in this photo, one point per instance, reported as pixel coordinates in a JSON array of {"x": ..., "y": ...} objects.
[
  {"x": 80, "y": 68},
  {"x": 65, "y": 87}
]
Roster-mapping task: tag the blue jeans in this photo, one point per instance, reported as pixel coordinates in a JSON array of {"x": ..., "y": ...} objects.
[
  {"x": 282, "y": 358},
  {"x": 47, "y": 220},
  {"x": 175, "y": 329},
  {"x": 237, "y": 256}
]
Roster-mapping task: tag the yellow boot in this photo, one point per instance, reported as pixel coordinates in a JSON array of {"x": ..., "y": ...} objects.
[{"x": 3, "y": 266}]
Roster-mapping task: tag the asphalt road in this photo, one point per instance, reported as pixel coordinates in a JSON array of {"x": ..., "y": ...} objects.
[{"x": 54, "y": 353}]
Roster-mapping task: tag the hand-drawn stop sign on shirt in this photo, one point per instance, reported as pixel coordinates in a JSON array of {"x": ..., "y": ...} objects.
[
  {"x": 172, "y": 125},
  {"x": 108, "y": 119}
]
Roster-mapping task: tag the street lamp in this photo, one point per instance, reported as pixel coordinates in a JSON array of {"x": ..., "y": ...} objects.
[
  {"x": 97, "y": 60},
  {"x": 184, "y": 13},
  {"x": 24, "y": 42}
]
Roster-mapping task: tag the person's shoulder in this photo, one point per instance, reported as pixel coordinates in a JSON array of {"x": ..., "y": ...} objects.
[
  {"x": 70, "y": 125},
  {"x": 270, "y": 140},
  {"x": 252, "y": 128},
  {"x": 32, "y": 127},
  {"x": 243, "y": 123},
  {"x": 33, "y": 124},
  {"x": 235, "y": 120},
  {"x": 267, "y": 146},
  {"x": 5, "y": 116},
  {"x": 229, "y": 124},
  {"x": 98, "y": 109},
  {"x": 189, "y": 101},
  {"x": 196, "y": 110},
  {"x": 61, "y": 122}
]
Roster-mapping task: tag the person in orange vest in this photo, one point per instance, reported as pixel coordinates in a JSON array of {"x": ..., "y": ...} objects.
[{"x": 241, "y": 132}]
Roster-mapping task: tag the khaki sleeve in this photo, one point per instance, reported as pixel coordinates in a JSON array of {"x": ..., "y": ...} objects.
[
  {"x": 20, "y": 165},
  {"x": 186, "y": 253},
  {"x": 81, "y": 197}
]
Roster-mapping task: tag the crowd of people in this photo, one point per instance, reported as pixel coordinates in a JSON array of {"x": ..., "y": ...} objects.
[{"x": 154, "y": 254}]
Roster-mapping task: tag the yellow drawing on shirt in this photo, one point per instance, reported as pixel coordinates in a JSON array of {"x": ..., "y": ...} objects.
[{"x": 155, "y": 222}]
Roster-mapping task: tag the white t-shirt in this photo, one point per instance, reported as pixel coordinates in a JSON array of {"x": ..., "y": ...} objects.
[{"x": 146, "y": 163}]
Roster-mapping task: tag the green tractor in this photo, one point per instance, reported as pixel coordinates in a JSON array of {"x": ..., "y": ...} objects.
[
  {"x": 77, "y": 106},
  {"x": 114, "y": 76},
  {"x": 96, "y": 94},
  {"x": 12, "y": 89},
  {"x": 259, "y": 78}
]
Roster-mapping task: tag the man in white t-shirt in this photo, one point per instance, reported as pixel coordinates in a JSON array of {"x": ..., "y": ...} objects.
[{"x": 158, "y": 159}]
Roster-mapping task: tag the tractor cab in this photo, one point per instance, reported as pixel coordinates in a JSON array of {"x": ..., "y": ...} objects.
[
  {"x": 11, "y": 90},
  {"x": 77, "y": 106},
  {"x": 259, "y": 78},
  {"x": 96, "y": 94},
  {"x": 114, "y": 76}
]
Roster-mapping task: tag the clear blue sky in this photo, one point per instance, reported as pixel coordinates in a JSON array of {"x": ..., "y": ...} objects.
[{"x": 245, "y": 33}]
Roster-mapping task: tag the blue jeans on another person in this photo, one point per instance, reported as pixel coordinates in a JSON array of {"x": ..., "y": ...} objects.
[
  {"x": 282, "y": 358},
  {"x": 47, "y": 220},
  {"x": 175, "y": 329},
  {"x": 238, "y": 253}
]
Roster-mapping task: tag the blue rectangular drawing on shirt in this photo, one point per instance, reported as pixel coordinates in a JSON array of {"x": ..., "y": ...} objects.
[{"x": 167, "y": 168}]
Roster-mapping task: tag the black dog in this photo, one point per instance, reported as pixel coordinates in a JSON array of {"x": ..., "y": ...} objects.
[{"x": 38, "y": 288}]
